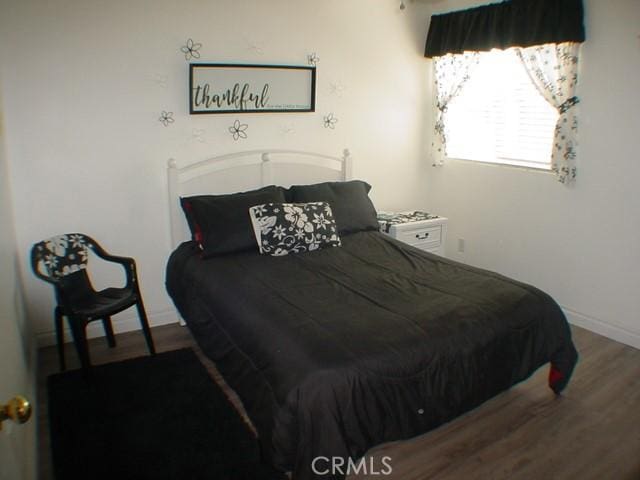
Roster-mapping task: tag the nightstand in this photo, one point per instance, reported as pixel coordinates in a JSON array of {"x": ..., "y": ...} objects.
[{"x": 421, "y": 229}]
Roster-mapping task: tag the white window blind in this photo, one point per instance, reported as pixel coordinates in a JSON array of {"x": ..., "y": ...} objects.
[{"x": 499, "y": 116}]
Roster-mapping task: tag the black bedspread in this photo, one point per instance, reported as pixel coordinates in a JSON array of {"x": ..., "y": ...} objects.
[{"x": 337, "y": 350}]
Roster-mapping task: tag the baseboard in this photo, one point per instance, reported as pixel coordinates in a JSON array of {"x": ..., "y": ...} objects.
[
  {"x": 132, "y": 323},
  {"x": 120, "y": 325},
  {"x": 614, "y": 332}
]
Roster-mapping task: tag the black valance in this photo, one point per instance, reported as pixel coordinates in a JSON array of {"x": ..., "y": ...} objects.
[{"x": 521, "y": 23}]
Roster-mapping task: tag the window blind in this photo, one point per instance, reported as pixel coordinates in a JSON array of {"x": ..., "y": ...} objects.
[{"x": 500, "y": 117}]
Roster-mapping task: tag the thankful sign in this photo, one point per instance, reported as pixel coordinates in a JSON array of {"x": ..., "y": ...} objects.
[{"x": 217, "y": 88}]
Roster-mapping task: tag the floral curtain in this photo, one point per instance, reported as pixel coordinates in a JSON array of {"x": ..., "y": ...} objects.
[
  {"x": 451, "y": 72},
  {"x": 553, "y": 68}
]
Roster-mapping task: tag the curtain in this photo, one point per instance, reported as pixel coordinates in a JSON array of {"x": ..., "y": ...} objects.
[
  {"x": 451, "y": 72},
  {"x": 553, "y": 69},
  {"x": 512, "y": 23}
]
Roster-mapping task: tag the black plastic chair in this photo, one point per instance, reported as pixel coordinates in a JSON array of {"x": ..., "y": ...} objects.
[{"x": 62, "y": 261}]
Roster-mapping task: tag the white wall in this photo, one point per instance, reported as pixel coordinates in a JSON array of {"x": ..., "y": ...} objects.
[
  {"x": 85, "y": 82},
  {"x": 17, "y": 355},
  {"x": 579, "y": 244}
]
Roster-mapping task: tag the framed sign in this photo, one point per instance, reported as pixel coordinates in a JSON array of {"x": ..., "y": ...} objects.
[{"x": 226, "y": 88}]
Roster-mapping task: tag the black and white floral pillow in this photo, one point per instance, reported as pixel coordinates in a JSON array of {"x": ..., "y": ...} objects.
[
  {"x": 63, "y": 255},
  {"x": 283, "y": 228}
]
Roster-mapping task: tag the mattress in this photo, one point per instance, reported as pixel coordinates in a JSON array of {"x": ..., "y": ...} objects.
[{"x": 337, "y": 350}]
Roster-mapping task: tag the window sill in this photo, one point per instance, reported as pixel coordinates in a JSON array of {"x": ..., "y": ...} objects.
[{"x": 498, "y": 164}]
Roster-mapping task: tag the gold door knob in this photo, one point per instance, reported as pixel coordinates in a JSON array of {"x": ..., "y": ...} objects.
[{"x": 17, "y": 409}]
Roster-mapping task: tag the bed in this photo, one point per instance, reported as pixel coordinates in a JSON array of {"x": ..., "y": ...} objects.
[{"x": 337, "y": 350}]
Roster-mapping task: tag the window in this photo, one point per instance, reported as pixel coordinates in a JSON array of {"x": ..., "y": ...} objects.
[{"x": 499, "y": 116}]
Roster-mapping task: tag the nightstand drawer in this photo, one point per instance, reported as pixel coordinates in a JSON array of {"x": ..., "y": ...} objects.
[{"x": 424, "y": 238}]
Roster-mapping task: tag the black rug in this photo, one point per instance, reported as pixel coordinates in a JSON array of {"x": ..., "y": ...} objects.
[{"x": 159, "y": 417}]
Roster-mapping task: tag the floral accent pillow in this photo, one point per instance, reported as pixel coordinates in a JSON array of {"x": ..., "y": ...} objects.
[
  {"x": 63, "y": 254},
  {"x": 283, "y": 228}
]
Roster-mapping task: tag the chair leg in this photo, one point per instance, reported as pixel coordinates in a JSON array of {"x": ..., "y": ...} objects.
[
  {"x": 80, "y": 340},
  {"x": 145, "y": 325},
  {"x": 60, "y": 337},
  {"x": 108, "y": 330}
]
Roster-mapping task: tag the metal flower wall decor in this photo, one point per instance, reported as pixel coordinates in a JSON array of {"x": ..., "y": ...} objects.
[
  {"x": 313, "y": 59},
  {"x": 336, "y": 88},
  {"x": 255, "y": 46},
  {"x": 166, "y": 118},
  {"x": 191, "y": 50},
  {"x": 197, "y": 134},
  {"x": 287, "y": 129},
  {"x": 330, "y": 121},
  {"x": 238, "y": 130},
  {"x": 160, "y": 80}
]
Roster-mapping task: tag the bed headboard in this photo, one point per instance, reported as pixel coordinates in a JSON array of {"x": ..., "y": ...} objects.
[{"x": 248, "y": 170}]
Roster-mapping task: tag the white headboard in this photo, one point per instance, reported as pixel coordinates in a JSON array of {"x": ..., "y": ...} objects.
[{"x": 241, "y": 171}]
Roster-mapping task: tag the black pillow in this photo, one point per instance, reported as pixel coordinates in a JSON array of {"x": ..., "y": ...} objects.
[
  {"x": 349, "y": 201},
  {"x": 221, "y": 224}
]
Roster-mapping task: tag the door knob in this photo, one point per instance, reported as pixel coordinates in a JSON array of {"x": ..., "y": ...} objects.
[{"x": 17, "y": 409}]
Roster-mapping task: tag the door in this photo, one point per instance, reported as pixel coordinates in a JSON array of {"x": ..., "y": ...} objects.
[
  {"x": 16, "y": 441},
  {"x": 17, "y": 452}
]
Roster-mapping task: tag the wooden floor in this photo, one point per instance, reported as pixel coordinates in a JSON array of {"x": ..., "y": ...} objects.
[{"x": 591, "y": 432}]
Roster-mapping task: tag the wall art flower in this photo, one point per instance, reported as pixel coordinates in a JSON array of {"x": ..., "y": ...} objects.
[
  {"x": 256, "y": 48},
  {"x": 197, "y": 134},
  {"x": 287, "y": 129},
  {"x": 166, "y": 118},
  {"x": 191, "y": 50},
  {"x": 336, "y": 88},
  {"x": 160, "y": 80},
  {"x": 330, "y": 121},
  {"x": 313, "y": 59},
  {"x": 238, "y": 130}
]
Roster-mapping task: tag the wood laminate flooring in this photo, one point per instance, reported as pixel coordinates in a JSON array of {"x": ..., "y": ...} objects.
[{"x": 592, "y": 431}]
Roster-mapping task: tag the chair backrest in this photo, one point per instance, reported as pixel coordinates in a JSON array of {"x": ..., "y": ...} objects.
[{"x": 60, "y": 256}]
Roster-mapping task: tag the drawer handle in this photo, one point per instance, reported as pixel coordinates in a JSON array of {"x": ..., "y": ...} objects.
[{"x": 422, "y": 236}]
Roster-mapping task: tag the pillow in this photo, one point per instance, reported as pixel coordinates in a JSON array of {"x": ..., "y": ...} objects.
[
  {"x": 283, "y": 228},
  {"x": 220, "y": 223},
  {"x": 350, "y": 202}
]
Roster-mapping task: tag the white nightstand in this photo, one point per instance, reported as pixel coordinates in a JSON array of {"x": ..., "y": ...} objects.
[{"x": 422, "y": 230}]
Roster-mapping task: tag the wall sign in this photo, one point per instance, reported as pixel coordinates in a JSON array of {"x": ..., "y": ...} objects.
[{"x": 226, "y": 88}]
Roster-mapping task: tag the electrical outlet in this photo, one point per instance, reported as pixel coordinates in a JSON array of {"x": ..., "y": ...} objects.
[{"x": 461, "y": 245}]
